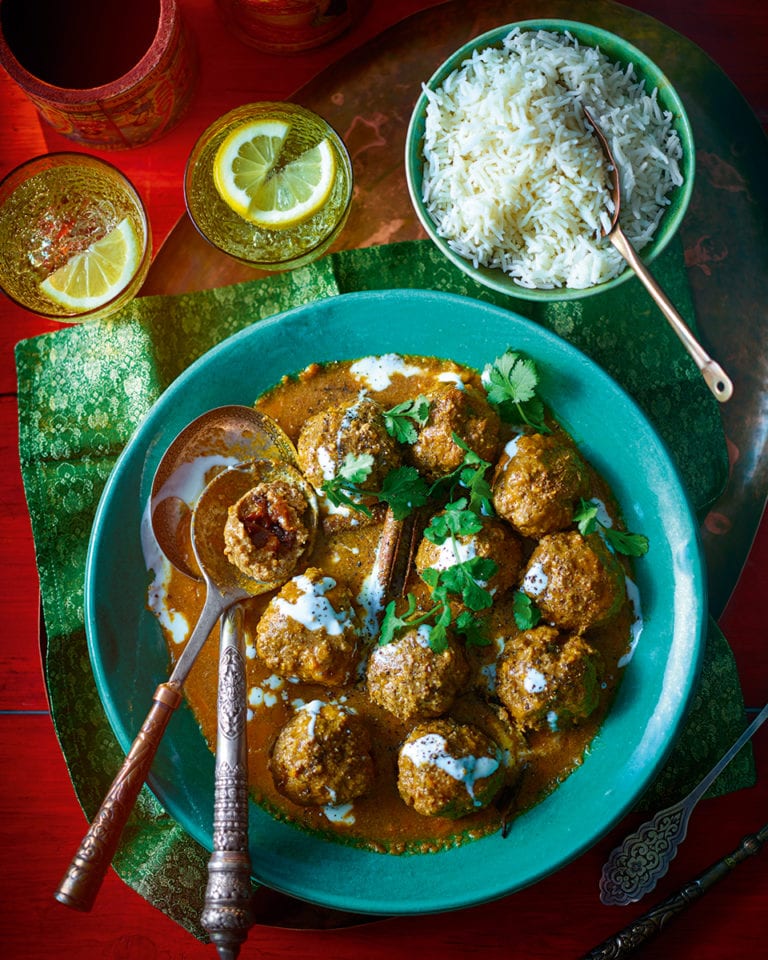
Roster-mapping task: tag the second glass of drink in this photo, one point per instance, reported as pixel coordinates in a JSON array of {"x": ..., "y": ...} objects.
[{"x": 270, "y": 184}]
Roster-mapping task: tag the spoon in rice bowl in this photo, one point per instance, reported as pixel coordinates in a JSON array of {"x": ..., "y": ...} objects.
[{"x": 715, "y": 377}]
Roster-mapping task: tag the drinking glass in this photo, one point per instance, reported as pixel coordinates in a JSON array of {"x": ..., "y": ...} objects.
[
  {"x": 64, "y": 214},
  {"x": 237, "y": 235}
]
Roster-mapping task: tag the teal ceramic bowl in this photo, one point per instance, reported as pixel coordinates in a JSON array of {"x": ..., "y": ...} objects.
[
  {"x": 617, "y": 50},
  {"x": 129, "y": 655}
]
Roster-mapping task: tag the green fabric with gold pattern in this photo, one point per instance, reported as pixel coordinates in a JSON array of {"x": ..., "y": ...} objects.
[{"x": 83, "y": 391}]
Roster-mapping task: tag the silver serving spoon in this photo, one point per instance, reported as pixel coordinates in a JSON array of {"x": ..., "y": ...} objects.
[
  {"x": 227, "y": 912},
  {"x": 213, "y": 440},
  {"x": 635, "y": 866},
  {"x": 715, "y": 377},
  {"x": 237, "y": 430}
]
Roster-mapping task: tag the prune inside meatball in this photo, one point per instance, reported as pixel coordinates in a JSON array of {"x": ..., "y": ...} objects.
[
  {"x": 310, "y": 630},
  {"x": 411, "y": 680},
  {"x": 536, "y": 486},
  {"x": 495, "y": 541},
  {"x": 544, "y": 676},
  {"x": 458, "y": 410},
  {"x": 575, "y": 581},
  {"x": 448, "y": 769},
  {"x": 265, "y": 534},
  {"x": 322, "y": 756},
  {"x": 356, "y": 428}
]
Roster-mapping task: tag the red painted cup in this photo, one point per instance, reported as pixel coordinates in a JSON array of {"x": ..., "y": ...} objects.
[
  {"x": 108, "y": 74},
  {"x": 290, "y": 26}
]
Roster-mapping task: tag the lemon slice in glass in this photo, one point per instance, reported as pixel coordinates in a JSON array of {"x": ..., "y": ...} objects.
[
  {"x": 93, "y": 277},
  {"x": 296, "y": 191},
  {"x": 244, "y": 159}
]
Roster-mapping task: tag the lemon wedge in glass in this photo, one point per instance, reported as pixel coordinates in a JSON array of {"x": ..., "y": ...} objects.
[
  {"x": 296, "y": 191},
  {"x": 93, "y": 277},
  {"x": 252, "y": 181},
  {"x": 244, "y": 159}
]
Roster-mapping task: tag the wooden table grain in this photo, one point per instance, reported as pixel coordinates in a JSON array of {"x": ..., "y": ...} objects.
[{"x": 40, "y": 820}]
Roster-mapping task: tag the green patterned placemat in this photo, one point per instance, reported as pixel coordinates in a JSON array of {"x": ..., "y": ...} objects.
[{"x": 83, "y": 391}]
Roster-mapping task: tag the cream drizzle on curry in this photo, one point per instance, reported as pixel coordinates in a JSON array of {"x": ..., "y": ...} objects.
[{"x": 381, "y": 820}]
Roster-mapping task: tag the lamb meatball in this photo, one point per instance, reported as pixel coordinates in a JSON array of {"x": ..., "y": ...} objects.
[
  {"x": 411, "y": 680},
  {"x": 537, "y": 485},
  {"x": 310, "y": 630},
  {"x": 356, "y": 428},
  {"x": 322, "y": 756},
  {"x": 448, "y": 769},
  {"x": 495, "y": 541},
  {"x": 575, "y": 581},
  {"x": 458, "y": 410},
  {"x": 545, "y": 676},
  {"x": 265, "y": 534}
]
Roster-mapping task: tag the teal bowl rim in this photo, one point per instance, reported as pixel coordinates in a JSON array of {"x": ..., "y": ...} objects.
[
  {"x": 653, "y": 698},
  {"x": 617, "y": 49}
]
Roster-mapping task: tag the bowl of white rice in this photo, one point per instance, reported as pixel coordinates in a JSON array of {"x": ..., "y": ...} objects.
[{"x": 508, "y": 178}]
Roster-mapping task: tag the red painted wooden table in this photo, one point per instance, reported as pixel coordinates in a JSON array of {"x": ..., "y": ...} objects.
[{"x": 40, "y": 820}]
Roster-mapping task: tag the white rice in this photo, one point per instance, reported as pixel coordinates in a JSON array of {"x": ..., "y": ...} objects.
[{"x": 515, "y": 179}]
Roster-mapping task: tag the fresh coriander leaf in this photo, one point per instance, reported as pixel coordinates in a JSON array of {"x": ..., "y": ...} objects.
[
  {"x": 526, "y": 613},
  {"x": 400, "y": 421},
  {"x": 585, "y": 516},
  {"x": 511, "y": 377},
  {"x": 455, "y": 521},
  {"x": 392, "y": 622},
  {"x": 438, "y": 633},
  {"x": 630, "y": 544},
  {"x": 473, "y": 629},
  {"x": 403, "y": 490},
  {"x": 343, "y": 489},
  {"x": 431, "y": 576},
  {"x": 510, "y": 384},
  {"x": 356, "y": 467}
]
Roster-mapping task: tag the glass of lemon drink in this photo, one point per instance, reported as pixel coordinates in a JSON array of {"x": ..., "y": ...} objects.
[
  {"x": 75, "y": 237},
  {"x": 270, "y": 184}
]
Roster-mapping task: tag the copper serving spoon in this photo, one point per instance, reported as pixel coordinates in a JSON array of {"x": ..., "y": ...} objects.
[
  {"x": 186, "y": 527},
  {"x": 714, "y": 376}
]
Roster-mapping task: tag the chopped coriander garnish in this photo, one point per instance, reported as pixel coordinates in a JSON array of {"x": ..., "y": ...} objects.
[
  {"x": 401, "y": 420},
  {"x": 470, "y": 474},
  {"x": 403, "y": 489},
  {"x": 510, "y": 383},
  {"x": 526, "y": 613},
  {"x": 353, "y": 471},
  {"x": 630, "y": 544}
]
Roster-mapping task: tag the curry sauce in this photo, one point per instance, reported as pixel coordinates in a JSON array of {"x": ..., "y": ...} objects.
[{"x": 381, "y": 820}]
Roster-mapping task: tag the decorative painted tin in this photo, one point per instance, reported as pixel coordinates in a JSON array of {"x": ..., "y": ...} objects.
[{"x": 134, "y": 108}]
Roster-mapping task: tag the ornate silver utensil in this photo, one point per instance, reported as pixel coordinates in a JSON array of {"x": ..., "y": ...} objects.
[
  {"x": 640, "y": 931},
  {"x": 714, "y": 376},
  {"x": 635, "y": 866},
  {"x": 228, "y": 909}
]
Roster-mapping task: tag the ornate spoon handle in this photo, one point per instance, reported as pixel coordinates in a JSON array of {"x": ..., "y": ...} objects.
[
  {"x": 632, "y": 937},
  {"x": 635, "y": 866},
  {"x": 227, "y": 911},
  {"x": 86, "y": 871}
]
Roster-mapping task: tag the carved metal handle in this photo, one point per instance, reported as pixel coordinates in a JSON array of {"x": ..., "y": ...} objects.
[
  {"x": 86, "y": 872},
  {"x": 632, "y": 937},
  {"x": 228, "y": 911}
]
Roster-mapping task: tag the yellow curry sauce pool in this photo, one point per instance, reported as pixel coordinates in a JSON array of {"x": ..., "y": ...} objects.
[{"x": 381, "y": 820}]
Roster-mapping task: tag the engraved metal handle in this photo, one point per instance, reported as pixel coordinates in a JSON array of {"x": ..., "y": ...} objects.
[
  {"x": 636, "y": 865},
  {"x": 86, "y": 872},
  {"x": 228, "y": 910},
  {"x": 647, "y": 926}
]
